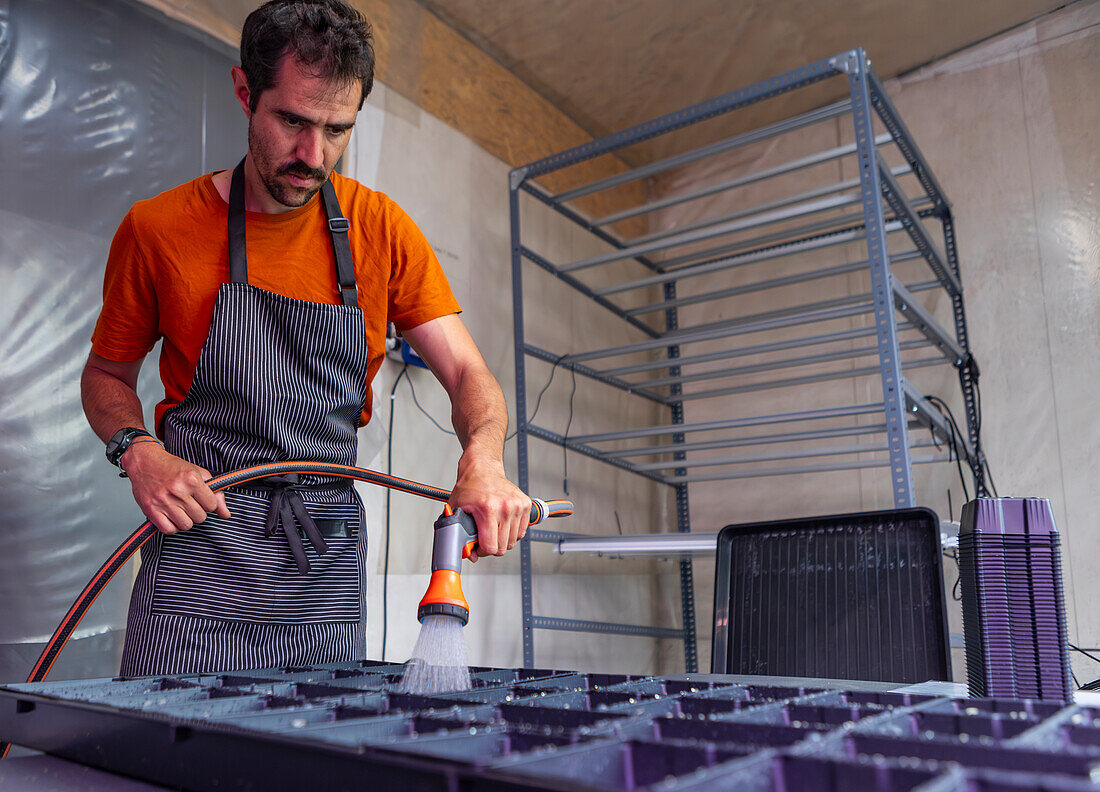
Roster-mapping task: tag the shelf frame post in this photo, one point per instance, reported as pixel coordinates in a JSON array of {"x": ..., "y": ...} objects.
[
  {"x": 858, "y": 68},
  {"x": 683, "y": 513},
  {"x": 523, "y": 477}
]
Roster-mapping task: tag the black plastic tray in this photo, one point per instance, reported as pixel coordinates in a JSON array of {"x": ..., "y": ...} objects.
[{"x": 848, "y": 596}]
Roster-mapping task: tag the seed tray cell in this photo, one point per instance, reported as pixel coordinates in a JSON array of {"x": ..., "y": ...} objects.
[
  {"x": 821, "y": 715},
  {"x": 997, "y": 726},
  {"x": 816, "y": 774},
  {"x": 1027, "y": 707},
  {"x": 476, "y": 746},
  {"x": 885, "y": 700},
  {"x": 978, "y": 753},
  {"x": 524, "y": 729}
]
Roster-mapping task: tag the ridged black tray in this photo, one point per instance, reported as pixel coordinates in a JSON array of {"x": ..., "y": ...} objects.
[{"x": 847, "y": 596}]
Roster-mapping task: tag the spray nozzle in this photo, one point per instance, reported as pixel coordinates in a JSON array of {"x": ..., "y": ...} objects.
[{"x": 455, "y": 537}]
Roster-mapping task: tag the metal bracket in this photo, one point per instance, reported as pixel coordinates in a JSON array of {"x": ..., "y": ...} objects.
[
  {"x": 517, "y": 176},
  {"x": 849, "y": 62}
]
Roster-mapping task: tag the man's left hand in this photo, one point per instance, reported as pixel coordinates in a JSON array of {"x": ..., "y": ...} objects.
[{"x": 500, "y": 509}]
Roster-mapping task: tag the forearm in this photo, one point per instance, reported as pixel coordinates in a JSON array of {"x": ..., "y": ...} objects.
[
  {"x": 480, "y": 415},
  {"x": 170, "y": 491},
  {"x": 480, "y": 419},
  {"x": 110, "y": 401}
]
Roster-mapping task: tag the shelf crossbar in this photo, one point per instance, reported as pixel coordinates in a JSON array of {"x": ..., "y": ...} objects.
[
  {"x": 605, "y": 628},
  {"x": 884, "y": 108},
  {"x": 771, "y": 283},
  {"x": 591, "y": 373},
  {"x": 809, "y": 379},
  {"x": 739, "y": 442},
  {"x": 797, "y": 470},
  {"x": 804, "y": 453},
  {"x": 731, "y": 423},
  {"x": 585, "y": 450},
  {"x": 901, "y": 207},
  {"x": 815, "y": 116},
  {"x": 581, "y": 288},
  {"x": 789, "y": 81},
  {"x": 784, "y": 247},
  {"x": 821, "y": 311},
  {"x": 922, "y": 320},
  {"x": 741, "y": 181},
  {"x": 578, "y": 217},
  {"x": 755, "y": 349},
  {"x": 772, "y": 365},
  {"x": 933, "y": 419},
  {"x": 767, "y": 213}
]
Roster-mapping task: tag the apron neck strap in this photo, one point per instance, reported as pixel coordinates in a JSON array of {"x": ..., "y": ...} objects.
[
  {"x": 238, "y": 256},
  {"x": 338, "y": 227}
]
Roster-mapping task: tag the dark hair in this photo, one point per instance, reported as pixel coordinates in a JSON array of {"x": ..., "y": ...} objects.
[{"x": 329, "y": 37}]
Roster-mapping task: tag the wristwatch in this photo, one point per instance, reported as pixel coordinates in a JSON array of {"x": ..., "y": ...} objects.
[{"x": 121, "y": 441}]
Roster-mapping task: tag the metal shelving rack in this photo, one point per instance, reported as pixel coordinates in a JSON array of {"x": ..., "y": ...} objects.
[{"x": 885, "y": 210}]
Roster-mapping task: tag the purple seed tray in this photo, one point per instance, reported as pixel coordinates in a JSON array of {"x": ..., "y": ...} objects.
[{"x": 1012, "y": 598}]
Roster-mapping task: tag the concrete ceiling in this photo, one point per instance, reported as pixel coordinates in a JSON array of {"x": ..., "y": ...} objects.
[{"x": 609, "y": 64}]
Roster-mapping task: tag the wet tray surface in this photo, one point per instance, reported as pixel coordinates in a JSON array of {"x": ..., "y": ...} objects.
[{"x": 343, "y": 727}]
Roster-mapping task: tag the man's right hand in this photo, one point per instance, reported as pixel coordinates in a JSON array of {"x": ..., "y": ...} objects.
[{"x": 170, "y": 491}]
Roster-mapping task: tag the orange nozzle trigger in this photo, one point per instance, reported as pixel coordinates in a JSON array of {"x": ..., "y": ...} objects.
[{"x": 468, "y": 548}]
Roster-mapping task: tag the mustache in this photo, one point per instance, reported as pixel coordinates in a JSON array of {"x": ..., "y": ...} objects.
[{"x": 300, "y": 169}]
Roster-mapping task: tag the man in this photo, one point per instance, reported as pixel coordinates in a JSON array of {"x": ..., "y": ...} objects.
[{"x": 272, "y": 332}]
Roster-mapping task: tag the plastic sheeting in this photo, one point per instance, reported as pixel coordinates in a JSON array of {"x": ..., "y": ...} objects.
[{"x": 102, "y": 103}]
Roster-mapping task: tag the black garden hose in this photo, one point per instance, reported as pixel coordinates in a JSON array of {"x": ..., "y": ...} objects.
[{"x": 127, "y": 549}]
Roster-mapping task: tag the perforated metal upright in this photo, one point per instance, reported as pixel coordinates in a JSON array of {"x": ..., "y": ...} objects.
[{"x": 669, "y": 256}]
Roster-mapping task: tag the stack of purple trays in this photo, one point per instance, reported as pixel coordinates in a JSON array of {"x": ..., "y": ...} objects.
[{"x": 1013, "y": 612}]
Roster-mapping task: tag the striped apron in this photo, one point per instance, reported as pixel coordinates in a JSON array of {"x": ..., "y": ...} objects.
[{"x": 280, "y": 583}]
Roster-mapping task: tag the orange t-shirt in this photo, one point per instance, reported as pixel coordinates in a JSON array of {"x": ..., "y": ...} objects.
[{"x": 171, "y": 254}]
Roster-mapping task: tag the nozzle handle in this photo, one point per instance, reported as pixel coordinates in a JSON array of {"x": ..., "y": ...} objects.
[
  {"x": 544, "y": 510},
  {"x": 467, "y": 535}
]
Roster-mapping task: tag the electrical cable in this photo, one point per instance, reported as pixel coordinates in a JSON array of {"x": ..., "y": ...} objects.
[
  {"x": 565, "y": 438},
  {"x": 416, "y": 401},
  {"x": 956, "y": 438},
  {"x": 1084, "y": 652},
  {"x": 147, "y": 530},
  {"x": 538, "y": 400},
  {"x": 389, "y": 470},
  {"x": 1089, "y": 686}
]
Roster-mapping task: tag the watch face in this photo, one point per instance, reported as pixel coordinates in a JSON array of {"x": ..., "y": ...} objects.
[
  {"x": 114, "y": 443},
  {"x": 121, "y": 440}
]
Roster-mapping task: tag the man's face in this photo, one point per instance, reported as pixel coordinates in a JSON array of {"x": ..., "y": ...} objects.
[{"x": 299, "y": 129}]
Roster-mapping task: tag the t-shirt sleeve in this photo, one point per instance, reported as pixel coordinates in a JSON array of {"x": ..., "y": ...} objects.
[
  {"x": 418, "y": 288},
  {"x": 127, "y": 327}
]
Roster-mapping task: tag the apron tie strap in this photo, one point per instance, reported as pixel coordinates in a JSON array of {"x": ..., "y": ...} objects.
[{"x": 285, "y": 510}]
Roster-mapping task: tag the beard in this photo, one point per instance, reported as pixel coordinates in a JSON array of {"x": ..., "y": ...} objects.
[{"x": 273, "y": 177}]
